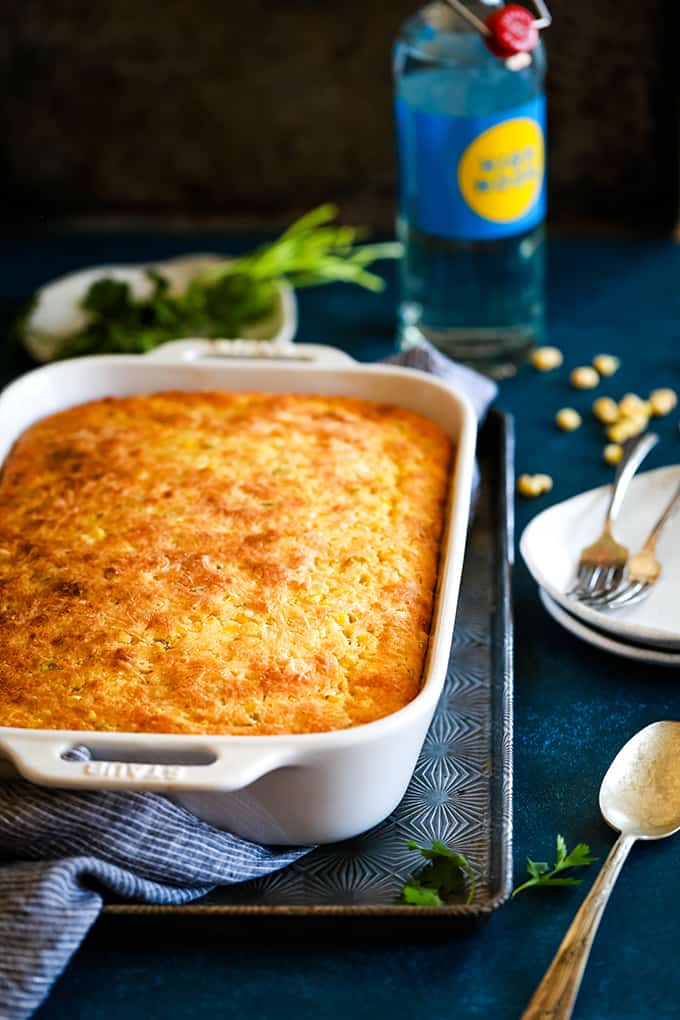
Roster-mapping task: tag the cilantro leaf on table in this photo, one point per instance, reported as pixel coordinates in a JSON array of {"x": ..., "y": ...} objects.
[
  {"x": 442, "y": 880},
  {"x": 541, "y": 873}
]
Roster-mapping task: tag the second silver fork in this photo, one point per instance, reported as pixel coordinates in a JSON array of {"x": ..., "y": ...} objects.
[
  {"x": 643, "y": 569},
  {"x": 601, "y": 565}
]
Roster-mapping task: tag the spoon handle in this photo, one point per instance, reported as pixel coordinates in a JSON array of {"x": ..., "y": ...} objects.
[{"x": 555, "y": 996}]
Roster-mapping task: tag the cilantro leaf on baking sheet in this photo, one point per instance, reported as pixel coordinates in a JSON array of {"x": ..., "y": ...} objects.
[
  {"x": 540, "y": 872},
  {"x": 442, "y": 880}
]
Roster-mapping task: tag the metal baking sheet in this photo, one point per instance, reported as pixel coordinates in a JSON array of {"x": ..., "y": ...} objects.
[{"x": 461, "y": 791}]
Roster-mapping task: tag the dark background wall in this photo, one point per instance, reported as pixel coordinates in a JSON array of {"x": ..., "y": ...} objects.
[{"x": 248, "y": 112}]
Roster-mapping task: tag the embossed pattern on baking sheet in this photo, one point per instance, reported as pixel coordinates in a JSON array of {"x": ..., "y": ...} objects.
[{"x": 449, "y": 797}]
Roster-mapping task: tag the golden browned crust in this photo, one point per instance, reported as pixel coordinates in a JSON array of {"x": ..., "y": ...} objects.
[{"x": 218, "y": 563}]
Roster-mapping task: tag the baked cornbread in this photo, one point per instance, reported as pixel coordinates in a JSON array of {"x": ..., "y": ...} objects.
[{"x": 209, "y": 562}]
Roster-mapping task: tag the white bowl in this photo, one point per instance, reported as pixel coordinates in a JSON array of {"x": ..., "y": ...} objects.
[
  {"x": 57, "y": 312},
  {"x": 309, "y": 788}
]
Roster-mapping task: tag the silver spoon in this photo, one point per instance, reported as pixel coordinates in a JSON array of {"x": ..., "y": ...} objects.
[{"x": 639, "y": 796}]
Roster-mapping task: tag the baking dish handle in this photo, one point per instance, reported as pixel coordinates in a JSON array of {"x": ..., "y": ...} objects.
[
  {"x": 195, "y": 349},
  {"x": 39, "y": 757}
]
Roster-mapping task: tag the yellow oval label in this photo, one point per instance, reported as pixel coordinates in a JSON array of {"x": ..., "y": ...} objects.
[{"x": 500, "y": 174}]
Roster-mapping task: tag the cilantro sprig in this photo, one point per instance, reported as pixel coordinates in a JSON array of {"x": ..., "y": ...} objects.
[
  {"x": 443, "y": 879},
  {"x": 541, "y": 873}
]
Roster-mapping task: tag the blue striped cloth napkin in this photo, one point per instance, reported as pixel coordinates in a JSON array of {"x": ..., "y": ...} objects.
[
  {"x": 70, "y": 848},
  {"x": 64, "y": 851},
  {"x": 479, "y": 390}
]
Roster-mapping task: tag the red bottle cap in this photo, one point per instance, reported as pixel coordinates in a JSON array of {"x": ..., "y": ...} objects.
[{"x": 513, "y": 30}]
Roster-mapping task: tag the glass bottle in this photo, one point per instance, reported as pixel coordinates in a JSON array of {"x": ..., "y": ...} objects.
[{"x": 471, "y": 157}]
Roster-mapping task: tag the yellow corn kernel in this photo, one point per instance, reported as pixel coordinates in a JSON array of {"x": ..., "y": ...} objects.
[
  {"x": 533, "y": 485},
  {"x": 528, "y": 486},
  {"x": 546, "y": 358},
  {"x": 612, "y": 453},
  {"x": 622, "y": 430},
  {"x": 606, "y": 410},
  {"x": 568, "y": 419},
  {"x": 606, "y": 364},
  {"x": 634, "y": 413},
  {"x": 545, "y": 482},
  {"x": 584, "y": 378},
  {"x": 662, "y": 401},
  {"x": 640, "y": 421},
  {"x": 631, "y": 405}
]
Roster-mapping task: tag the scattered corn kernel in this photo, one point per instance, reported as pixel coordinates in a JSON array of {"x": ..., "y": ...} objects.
[
  {"x": 634, "y": 413},
  {"x": 534, "y": 485},
  {"x": 612, "y": 453},
  {"x": 606, "y": 410},
  {"x": 545, "y": 482},
  {"x": 568, "y": 419},
  {"x": 620, "y": 431},
  {"x": 606, "y": 364},
  {"x": 662, "y": 401},
  {"x": 546, "y": 358},
  {"x": 631, "y": 405},
  {"x": 639, "y": 424},
  {"x": 528, "y": 486},
  {"x": 584, "y": 378}
]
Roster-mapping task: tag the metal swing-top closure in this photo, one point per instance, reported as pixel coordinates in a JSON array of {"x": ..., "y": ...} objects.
[{"x": 510, "y": 32}]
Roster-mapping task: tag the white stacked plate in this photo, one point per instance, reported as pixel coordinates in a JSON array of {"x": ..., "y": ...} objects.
[{"x": 551, "y": 545}]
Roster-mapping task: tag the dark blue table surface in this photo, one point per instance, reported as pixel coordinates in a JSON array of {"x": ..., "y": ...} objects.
[{"x": 575, "y": 706}]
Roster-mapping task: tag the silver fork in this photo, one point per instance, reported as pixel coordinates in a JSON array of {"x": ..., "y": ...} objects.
[
  {"x": 644, "y": 569},
  {"x": 601, "y": 565}
]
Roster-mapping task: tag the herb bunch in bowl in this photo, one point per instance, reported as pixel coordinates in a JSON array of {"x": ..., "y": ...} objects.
[{"x": 224, "y": 299}]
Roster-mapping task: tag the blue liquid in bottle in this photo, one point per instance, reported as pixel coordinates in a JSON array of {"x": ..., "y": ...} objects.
[{"x": 470, "y": 142}]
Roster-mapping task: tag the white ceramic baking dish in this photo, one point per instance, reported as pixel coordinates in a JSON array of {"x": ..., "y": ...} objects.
[{"x": 309, "y": 788}]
